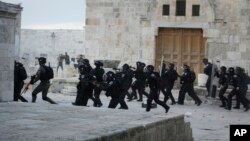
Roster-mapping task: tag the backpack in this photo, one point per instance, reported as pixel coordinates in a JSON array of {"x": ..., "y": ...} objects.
[
  {"x": 49, "y": 74},
  {"x": 192, "y": 76}
]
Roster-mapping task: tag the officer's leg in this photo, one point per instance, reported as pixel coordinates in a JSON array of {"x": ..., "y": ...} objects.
[
  {"x": 229, "y": 99},
  {"x": 113, "y": 103},
  {"x": 164, "y": 105},
  {"x": 223, "y": 99},
  {"x": 149, "y": 101},
  {"x": 97, "y": 92},
  {"x": 169, "y": 94},
  {"x": 16, "y": 90},
  {"x": 122, "y": 101},
  {"x": 45, "y": 92},
  {"x": 140, "y": 91},
  {"x": 208, "y": 83},
  {"x": 78, "y": 95},
  {"x": 37, "y": 90},
  {"x": 193, "y": 95},
  {"x": 243, "y": 99},
  {"x": 182, "y": 93}
]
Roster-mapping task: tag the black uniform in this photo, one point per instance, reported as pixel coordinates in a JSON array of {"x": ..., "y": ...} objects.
[
  {"x": 208, "y": 72},
  {"x": 98, "y": 72},
  {"x": 44, "y": 75},
  {"x": 85, "y": 86},
  {"x": 19, "y": 76},
  {"x": 139, "y": 83},
  {"x": 242, "y": 87},
  {"x": 153, "y": 80},
  {"x": 187, "y": 80},
  {"x": 128, "y": 78},
  {"x": 223, "y": 82},
  {"x": 232, "y": 80},
  {"x": 169, "y": 78}
]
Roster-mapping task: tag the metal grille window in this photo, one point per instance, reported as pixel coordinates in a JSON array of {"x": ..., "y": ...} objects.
[
  {"x": 180, "y": 7},
  {"x": 165, "y": 10},
  {"x": 196, "y": 10}
]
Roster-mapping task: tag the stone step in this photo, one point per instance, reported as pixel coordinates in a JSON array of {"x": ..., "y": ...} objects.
[{"x": 66, "y": 92}]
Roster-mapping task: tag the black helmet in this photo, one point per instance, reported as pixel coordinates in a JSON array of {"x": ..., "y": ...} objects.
[
  {"x": 231, "y": 70},
  {"x": 125, "y": 67},
  {"x": 239, "y": 70},
  {"x": 143, "y": 65},
  {"x": 98, "y": 63},
  {"x": 42, "y": 60},
  {"x": 150, "y": 68},
  {"x": 138, "y": 63},
  {"x": 171, "y": 65},
  {"x": 223, "y": 69}
]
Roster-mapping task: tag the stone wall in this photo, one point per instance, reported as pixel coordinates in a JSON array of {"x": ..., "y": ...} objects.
[
  {"x": 126, "y": 30},
  {"x": 172, "y": 129},
  {"x": 50, "y": 43},
  {"x": 10, "y": 24}
]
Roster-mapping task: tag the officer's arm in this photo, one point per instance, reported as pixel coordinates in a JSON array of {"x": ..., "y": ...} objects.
[{"x": 36, "y": 76}]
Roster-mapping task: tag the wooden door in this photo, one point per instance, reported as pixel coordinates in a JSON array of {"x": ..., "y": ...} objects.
[{"x": 180, "y": 46}]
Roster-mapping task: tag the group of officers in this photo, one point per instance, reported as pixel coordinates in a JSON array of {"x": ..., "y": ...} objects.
[
  {"x": 116, "y": 84},
  {"x": 236, "y": 78}
]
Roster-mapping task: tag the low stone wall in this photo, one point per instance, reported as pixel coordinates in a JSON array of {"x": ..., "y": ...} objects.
[
  {"x": 58, "y": 84},
  {"x": 172, "y": 129}
]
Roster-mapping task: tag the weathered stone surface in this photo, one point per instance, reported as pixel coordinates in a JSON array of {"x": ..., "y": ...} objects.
[
  {"x": 10, "y": 19},
  {"x": 222, "y": 21},
  {"x": 36, "y": 122}
]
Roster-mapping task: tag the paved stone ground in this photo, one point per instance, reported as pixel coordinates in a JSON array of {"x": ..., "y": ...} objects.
[{"x": 20, "y": 121}]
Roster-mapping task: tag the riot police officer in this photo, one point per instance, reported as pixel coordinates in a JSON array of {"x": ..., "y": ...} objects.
[
  {"x": 187, "y": 80},
  {"x": 232, "y": 80},
  {"x": 208, "y": 71},
  {"x": 242, "y": 87},
  {"x": 139, "y": 83},
  {"x": 19, "y": 76},
  {"x": 85, "y": 86},
  {"x": 169, "y": 78},
  {"x": 98, "y": 72},
  {"x": 44, "y": 74},
  {"x": 223, "y": 82},
  {"x": 153, "y": 80},
  {"x": 129, "y": 74}
]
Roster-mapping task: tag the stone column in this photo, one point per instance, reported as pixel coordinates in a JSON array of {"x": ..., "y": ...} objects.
[{"x": 10, "y": 23}]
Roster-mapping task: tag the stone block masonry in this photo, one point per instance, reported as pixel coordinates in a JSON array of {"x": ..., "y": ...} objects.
[{"x": 10, "y": 24}]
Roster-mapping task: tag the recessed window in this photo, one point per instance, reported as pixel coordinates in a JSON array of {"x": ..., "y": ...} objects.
[
  {"x": 196, "y": 10},
  {"x": 181, "y": 8},
  {"x": 165, "y": 10}
]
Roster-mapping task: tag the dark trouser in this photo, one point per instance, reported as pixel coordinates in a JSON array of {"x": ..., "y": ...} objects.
[
  {"x": 242, "y": 96},
  {"x": 169, "y": 93},
  {"x": 122, "y": 101},
  {"x": 208, "y": 84},
  {"x": 97, "y": 92},
  {"x": 133, "y": 94},
  {"x": 223, "y": 99},
  {"x": 42, "y": 87},
  {"x": 140, "y": 86},
  {"x": 17, "y": 91},
  {"x": 188, "y": 88},
  {"x": 153, "y": 95},
  {"x": 113, "y": 102},
  {"x": 230, "y": 96}
]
